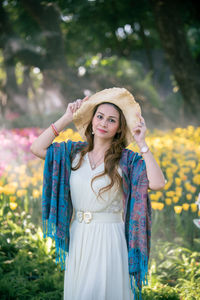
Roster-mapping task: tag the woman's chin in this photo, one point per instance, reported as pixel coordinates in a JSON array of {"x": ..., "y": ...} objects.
[{"x": 103, "y": 136}]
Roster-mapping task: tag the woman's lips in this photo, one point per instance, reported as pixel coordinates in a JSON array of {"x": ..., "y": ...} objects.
[{"x": 101, "y": 130}]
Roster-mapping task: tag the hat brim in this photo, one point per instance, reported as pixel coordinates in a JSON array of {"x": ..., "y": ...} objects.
[{"x": 118, "y": 96}]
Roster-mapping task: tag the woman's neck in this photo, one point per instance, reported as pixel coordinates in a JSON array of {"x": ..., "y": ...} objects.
[{"x": 101, "y": 145}]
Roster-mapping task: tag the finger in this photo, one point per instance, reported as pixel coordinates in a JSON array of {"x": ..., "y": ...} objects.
[
  {"x": 70, "y": 105},
  {"x": 85, "y": 99},
  {"x": 139, "y": 126},
  {"x": 78, "y": 102},
  {"x": 136, "y": 130},
  {"x": 142, "y": 119},
  {"x": 73, "y": 107}
]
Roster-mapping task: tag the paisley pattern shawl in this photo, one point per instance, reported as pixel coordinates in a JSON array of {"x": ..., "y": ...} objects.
[
  {"x": 137, "y": 211},
  {"x": 57, "y": 206}
]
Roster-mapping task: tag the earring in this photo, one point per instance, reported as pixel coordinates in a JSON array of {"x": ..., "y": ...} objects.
[{"x": 92, "y": 132}]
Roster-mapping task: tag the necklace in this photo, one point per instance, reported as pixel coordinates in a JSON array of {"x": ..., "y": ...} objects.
[{"x": 94, "y": 164}]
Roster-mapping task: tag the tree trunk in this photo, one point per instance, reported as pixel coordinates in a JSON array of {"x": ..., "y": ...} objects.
[{"x": 183, "y": 65}]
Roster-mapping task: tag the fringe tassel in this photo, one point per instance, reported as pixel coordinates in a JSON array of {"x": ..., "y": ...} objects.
[
  {"x": 49, "y": 230},
  {"x": 140, "y": 278},
  {"x": 137, "y": 293}
]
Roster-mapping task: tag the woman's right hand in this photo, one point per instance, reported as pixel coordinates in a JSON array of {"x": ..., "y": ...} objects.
[{"x": 73, "y": 107}]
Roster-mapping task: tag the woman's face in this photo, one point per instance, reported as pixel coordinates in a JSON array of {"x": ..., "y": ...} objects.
[{"x": 105, "y": 122}]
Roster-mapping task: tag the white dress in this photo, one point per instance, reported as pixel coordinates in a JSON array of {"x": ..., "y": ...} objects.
[{"x": 97, "y": 264}]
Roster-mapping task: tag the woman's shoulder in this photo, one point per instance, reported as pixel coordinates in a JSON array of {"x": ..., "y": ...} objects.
[
  {"x": 129, "y": 155},
  {"x": 67, "y": 146},
  {"x": 75, "y": 146}
]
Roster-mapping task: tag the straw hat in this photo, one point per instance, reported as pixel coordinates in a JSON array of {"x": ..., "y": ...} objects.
[{"x": 118, "y": 96}]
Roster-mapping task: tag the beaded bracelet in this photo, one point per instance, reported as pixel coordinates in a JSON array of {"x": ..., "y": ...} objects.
[{"x": 55, "y": 131}]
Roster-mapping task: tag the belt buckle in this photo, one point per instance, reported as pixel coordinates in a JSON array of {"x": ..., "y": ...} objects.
[
  {"x": 87, "y": 217},
  {"x": 80, "y": 216},
  {"x": 84, "y": 216}
]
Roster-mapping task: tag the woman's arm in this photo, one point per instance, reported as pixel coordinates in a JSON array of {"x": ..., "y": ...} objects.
[
  {"x": 154, "y": 173},
  {"x": 40, "y": 145}
]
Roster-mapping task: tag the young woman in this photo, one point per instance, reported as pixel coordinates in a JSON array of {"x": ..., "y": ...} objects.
[{"x": 95, "y": 196}]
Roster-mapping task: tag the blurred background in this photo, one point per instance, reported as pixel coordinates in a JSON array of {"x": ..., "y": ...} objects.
[{"x": 53, "y": 52}]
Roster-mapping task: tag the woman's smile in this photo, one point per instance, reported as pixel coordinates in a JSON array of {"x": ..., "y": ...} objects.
[{"x": 102, "y": 130}]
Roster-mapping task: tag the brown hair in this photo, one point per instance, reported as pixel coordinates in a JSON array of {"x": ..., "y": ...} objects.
[{"x": 112, "y": 155}]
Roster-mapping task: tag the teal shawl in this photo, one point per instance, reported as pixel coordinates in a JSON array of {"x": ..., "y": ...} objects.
[{"x": 57, "y": 206}]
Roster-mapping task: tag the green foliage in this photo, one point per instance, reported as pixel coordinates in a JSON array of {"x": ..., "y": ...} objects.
[
  {"x": 27, "y": 262},
  {"x": 160, "y": 291},
  {"x": 2, "y": 71},
  {"x": 182, "y": 263},
  {"x": 128, "y": 74},
  {"x": 189, "y": 290}
]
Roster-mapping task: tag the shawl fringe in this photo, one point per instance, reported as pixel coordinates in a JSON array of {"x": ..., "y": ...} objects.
[
  {"x": 139, "y": 279},
  {"x": 49, "y": 230}
]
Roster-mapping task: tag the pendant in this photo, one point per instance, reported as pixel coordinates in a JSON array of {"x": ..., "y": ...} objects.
[{"x": 93, "y": 167}]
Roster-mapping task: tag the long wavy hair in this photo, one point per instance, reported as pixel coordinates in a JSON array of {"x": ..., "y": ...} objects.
[{"x": 112, "y": 155}]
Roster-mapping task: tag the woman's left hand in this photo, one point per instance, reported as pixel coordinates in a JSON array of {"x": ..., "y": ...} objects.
[{"x": 139, "y": 131}]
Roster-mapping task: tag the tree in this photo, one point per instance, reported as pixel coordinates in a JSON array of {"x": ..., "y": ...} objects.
[{"x": 184, "y": 67}]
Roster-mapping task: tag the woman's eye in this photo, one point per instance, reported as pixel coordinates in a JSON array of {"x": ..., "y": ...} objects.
[
  {"x": 112, "y": 121},
  {"x": 99, "y": 116}
]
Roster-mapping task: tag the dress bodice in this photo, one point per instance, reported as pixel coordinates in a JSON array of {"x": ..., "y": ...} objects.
[{"x": 84, "y": 197}]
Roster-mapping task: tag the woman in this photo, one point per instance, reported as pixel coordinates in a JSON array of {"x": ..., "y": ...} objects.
[{"x": 105, "y": 187}]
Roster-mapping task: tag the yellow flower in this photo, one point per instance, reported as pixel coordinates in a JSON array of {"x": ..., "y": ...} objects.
[
  {"x": 36, "y": 193},
  {"x": 193, "y": 189},
  {"x": 185, "y": 206},
  {"x": 168, "y": 201},
  {"x": 167, "y": 185},
  {"x": 192, "y": 164},
  {"x": 13, "y": 198},
  {"x": 8, "y": 189},
  {"x": 178, "y": 209},
  {"x": 187, "y": 186},
  {"x": 160, "y": 205},
  {"x": 183, "y": 177},
  {"x": 178, "y": 193},
  {"x": 199, "y": 213},
  {"x": 24, "y": 184},
  {"x": 178, "y": 181},
  {"x": 156, "y": 196},
  {"x": 170, "y": 193},
  {"x": 193, "y": 207},
  {"x": 154, "y": 205},
  {"x": 21, "y": 192},
  {"x": 13, "y": 205},
  {"x": 188, "y": 196},
  {"x": 175, "y": 199},
  {"x": 186, "y": 170},
  {"x": 196, "y": 179}
]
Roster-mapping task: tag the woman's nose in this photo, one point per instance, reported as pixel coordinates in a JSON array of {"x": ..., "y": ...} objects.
[{"x": 104, "y": 122}]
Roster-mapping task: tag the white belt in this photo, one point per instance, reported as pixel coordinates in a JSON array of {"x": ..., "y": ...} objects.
[{"x": 98, "y": 217}]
